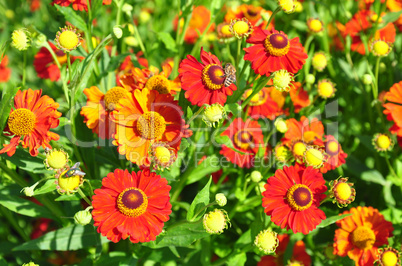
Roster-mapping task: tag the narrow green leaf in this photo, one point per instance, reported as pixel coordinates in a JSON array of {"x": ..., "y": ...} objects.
[
  {"x": 206, "y": 167},
  {"x": 25, "y": 161},
  {"x": 332, "y": 220},
  {"x": 71, "y": 16},
  {"x": 23, "y": 206},
  {"x": 391, "y": 17},
  {"x": 6, "y": 103},
  {"x": 168, "y": 40},
  {"x": 225, "y": 140},
  {"x": 238, "y": 259},
  {"x": 49, "y": 186},
  {"x": 200, "y": 201},
  {"x": 373, "y": 176},
  {"x": 67, "y": 197},
  {"x": 189, "y": 112},
  {"x": 70, "y": 238}
]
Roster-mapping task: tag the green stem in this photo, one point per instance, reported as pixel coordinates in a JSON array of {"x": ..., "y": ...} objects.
[
  {"x": 272, "y": 16},
  {"x": 258, "y": 87},
  {"x": 377, "y": 68},
  {"x": 84, "y": 197},
  {"x": 69, "y": 66},
  {"x": 232, "y": 60},
  {"x": 88, "y": 36},
  {"x": 24, "y": 64},
  {"x": 238, "y": 53},
  {"x": 195, "y": 115},
  {"x": 138, "y": 35}
]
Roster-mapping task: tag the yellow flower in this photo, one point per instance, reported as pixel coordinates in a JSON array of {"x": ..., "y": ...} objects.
[
  {"x": 382, "y": 142},
  {"x": 319, "y": 61},
  {"x": 216, "y": 221},
  {"x": 21, "y": 39},
  {"x": 241, "y": 28},
  {"x": 315, "y": 25},
  {"x": 380, "y": 48},
  {"x": 68, "y": 39},
  {"x": 326, "y": 89},
  {"x": 267, "y": 241},
  {"x": 288, "y": 6}
]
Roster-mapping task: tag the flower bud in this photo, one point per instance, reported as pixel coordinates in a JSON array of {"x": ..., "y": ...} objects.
[
  {"x": 310, "y": 79},
  {"x": 267, "y": 241},
  {"x": 20, "y": 39},
  {"x": 280, "y": 125},
  {"x": 117, "y": 31},
  {"x": 30, "y": 264},
  {"x": 220, "y": 198},
  {"x": 367, "y": 79},
  {"x": 213, "y": 114},
  {"x": 83, "y": 217},
  {"x": 256, "y": 176},
  {"x": 40, "y": 40},
  {"x": 216, "y": 221}
]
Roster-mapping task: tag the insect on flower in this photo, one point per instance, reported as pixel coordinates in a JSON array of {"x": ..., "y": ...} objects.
[
  {"x": 230, "y": 74},
  {"x": 75, "y": 170}
]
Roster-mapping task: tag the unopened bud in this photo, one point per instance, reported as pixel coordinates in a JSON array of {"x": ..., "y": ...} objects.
[
  {"x": 220, "y": 198},
  {"x": 83, "y": 217},
  {"x": 256, "y": 176}
]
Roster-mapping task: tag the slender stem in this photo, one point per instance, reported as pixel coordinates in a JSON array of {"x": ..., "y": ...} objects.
[
  {"x": 258, "y": 87},
  {"x": 195, "y": 115},
  {"x": 84, "y": 197},
  {"x": 24, "y": 65},
  {"x": 238, "y": 53},
  {"x": 375, "y": 89},
  {"x": 272, "y": 16},
  {"x": 69, "y": 67},
  {"x": 391, "y": 169},
  {"x": 140, "y": 42},
  {"x": 88, "y": 36},
  {"x": 232, "y": 60}
]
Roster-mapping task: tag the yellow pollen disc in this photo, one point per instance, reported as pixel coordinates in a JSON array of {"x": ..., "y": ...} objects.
[
  {"x": 277, "y": 44},
  {"x": 333, "y": 147},
  {"x": 69, "y": 184},
  {"x": 314, "y": 157},
  {"x": 299, "y": 148},
  {"x": 241, "y": 27},
  {"x": 267, "y": 241},
  {"x": 68, "y": 39},
  {"x": 56, "y": 159},
  {"x": 213, "y": 76},
  {"x": 363, "y": 237},
  {"x": 343, "y": 191},
  {"x": 226, "y": 30},
  {"x": 325, "y": 89},
  {"x": 389, "y": 258},
  {"x": 383, "y": 142},
  {"x": 162, "y": 154},
  {"x": 215, "y": 221},
  {"x": 381, "y": 48},
  {"x": 151, "y": 125},
  {"x": 299, "y": 197},
  {"x": 21, "y": 121},
  {"x": 213, "y": 113},
  {"x": 315, "y": 25},
  {"x": 319, "y": 61},
  {"x": 113, "y": 96},
  {"x": 287, "y": 5},
  {"x": 132, "y": 202},
  {"x": 158, "y": 83},
  {"x": 282, "y": 80},
  {"x": 281, "y": 153}
]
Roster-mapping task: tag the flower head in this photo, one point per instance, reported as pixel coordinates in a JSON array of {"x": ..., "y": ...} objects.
[
  {"x": 224, "y": 33},
  {"x": 68, "y": 39},
  {"x": 204, "y": 82},
  {"x": 77, "y": 4},
  {"x": 326, "y": 89},
  {"x": 280, "y": 125},
  {"x": 69, "y": 179},
  {"x": 267, "y": 241},
  {"x": 393, "y": 108},
  {"x": 162, "y": 155},
  {"x": 221, "y": 199},
  {"x": 256, "y": 15},
  {"x": 319, "y": 61},
  {"x": 272, "y": 51},
  {"x": 292, "y": 198},
  {"x": 314, "y": 156},
  {"x": 267, "y": 103},
  {"x": 380, "y": 47},
  {"x": 335, "y": 155},
  {"x": 83, "y": 217},
  {"x": 315, "y": 25},
  {"x": 31, "y": 118},
  {"x": 359, "y": 236},
  {"x": 382, "y": 142},
  {"x": 282, "y": 153},
  {"x": 342, "y": 192},
  {"x": 241, "y": 28},
  {"x": 134, "y": 206},
  {"x": 388, "y": 256},
  {"x": 288, "y": 6},
  {"x": 56, "y": 159},
  {"x": 282, "y": 80},
  {"x": 216, "y": 221},
  {"x": 21, "y": 39},
  {"x": 213, "y": 114}
]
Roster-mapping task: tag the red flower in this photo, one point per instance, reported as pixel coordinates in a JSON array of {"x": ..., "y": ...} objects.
[
  {"x": 246, "y": 137},
  {"x": 308, "y": 131},
  {"x": 299, "y": 97},
  {"x": 132, "y": 205},
  {"x": 251, "y": 13},
  {"x": 77, "y": 4},
  {"x": 5, "y": 72},
  {"x": 299, "y": 254},
  {"x": 393, "y": 109},
  {"x": 262, "y": 105},
  {"x": 31, "y": 118},
  {"x": 336, "y": 156},
  {"x": 272, "y": 51},
  {"x": 204, "y": 82},
  {"x": 292, "y": 198}
]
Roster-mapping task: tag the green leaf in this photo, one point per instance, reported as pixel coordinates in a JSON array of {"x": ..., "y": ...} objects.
[
  {"x": 391, "y": 17},
  {"x": 71, "y": 16},
  {"x": 167, "y": 39},
  {"x": 189, "y": 112},
  {"x": 347, "y": 69},
  {"x": 23, "y": 206},
  {"x": 67, "y": 197},
  {"x": 181, "y": 235},
  {"x": 225, "y": 140},
  {"x": 200, "y": 201},
  {"x": 6, "y": 103},
  {"x": 238, "y": 259},
  {"x": 25, "y": 161},
  {"x": 49, "y": 186},
  {"x": 70, "y": 238},
  {"x": 206, "y": 167},
  {"x": 332, "y": 220},
  {"x": 373, "y": 176}
]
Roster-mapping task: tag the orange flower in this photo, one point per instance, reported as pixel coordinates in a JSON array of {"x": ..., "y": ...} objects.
[
  {"x": 31, "y": 118},
  {"x": 393, "y": 109},
  {"x": 299, "y": 254},
  {"x": 251, "y": 13},
  {"x": 262, "y": 105},
  {"x": 151, "y": 79},
  {"x": 134, "y": 206},
  {"x": 198, "y": 24},
  {"x": 361, "y": 234},
  {"x": 5, "y": 72},
  {"x": 98, "y": 109},
  {"x": 299, "y": 97},
  {"x": 395, "y": 6},
  {"x": 335, "y": 155},
  {"x": 146, "y": 117},
  {"x": 310, "y": 132},
  {"x": 77, "y": 4}
]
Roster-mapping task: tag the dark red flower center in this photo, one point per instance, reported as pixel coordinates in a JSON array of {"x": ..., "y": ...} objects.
[
  {"x": 213, "y": 76},
  {"x": 332, "y": 148},
  {"x": 299, "y": 197},
  {"x": 61, "y": 57},
  {"x": 132, "y": 202},
  {"x": 243, "y": 140},
  {"x": 277, "y": 44},
  {"x": 251, "y": 13}
]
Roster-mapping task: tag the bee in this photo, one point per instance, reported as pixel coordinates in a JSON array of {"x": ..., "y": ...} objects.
[
  {"x": 75, "y": 170},
  {"x": 230, "y": 74}
]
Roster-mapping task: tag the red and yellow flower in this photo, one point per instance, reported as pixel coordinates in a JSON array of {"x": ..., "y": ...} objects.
[
  {"x": 361, "y": 234},
  {"x": 146, "y": 117},
  {"x": 133, "y": 206},
  {"x": 299, "y": 97},
  {"x": 292, "y": 198},
  {"x": 299, "y": 255},
  {"x": 251, "y": 13},
  {"x": 98, "y": 109},
  {"x": 204, "y": 81},
  {"x": 31, "y": 118},
  {"x": 310, "y": 132},
  {"x": 77, "y": 4},
  {"x": 393, "y": 108},
  {"x": 273, "y": 51},
  {"x": 335, "y": 155},
  {"x": 246, "y": 137},
  {"x": 262, "y": 105}
]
